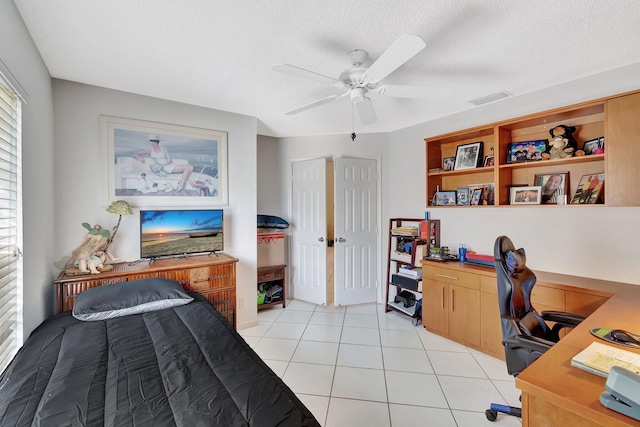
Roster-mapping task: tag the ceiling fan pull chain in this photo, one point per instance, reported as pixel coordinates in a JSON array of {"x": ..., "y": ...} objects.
[{"x": 353, "y": 123}]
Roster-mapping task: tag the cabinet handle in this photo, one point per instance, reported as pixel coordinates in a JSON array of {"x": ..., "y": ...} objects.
[
  {"x": 447, "y": 277},
  {"x": 182, "y": 282},
  {"x": 451, "y": 299},
  {"x": 442, "y": 297}
]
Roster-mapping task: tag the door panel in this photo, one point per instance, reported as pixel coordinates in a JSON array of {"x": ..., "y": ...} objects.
[
  {"x": 309, "y": 231},
  {"x": 356, "y": 231}
]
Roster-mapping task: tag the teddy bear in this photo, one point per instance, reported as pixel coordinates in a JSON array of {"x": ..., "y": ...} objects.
[{"x": 563, "y": 143}]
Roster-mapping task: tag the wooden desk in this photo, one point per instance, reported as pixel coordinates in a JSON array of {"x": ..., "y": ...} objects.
[{"x": 554, "y": 393}]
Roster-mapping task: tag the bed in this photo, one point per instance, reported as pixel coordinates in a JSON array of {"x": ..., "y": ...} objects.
[{"x": 148, "y": 361}]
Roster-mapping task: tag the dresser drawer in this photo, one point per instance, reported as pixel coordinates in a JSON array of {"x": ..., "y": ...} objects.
[
  {"x": 267, "y": 274},
  {"x": 452, "y": 276},
  {"x": 204, "y": 278},
  {"x": 224, "y": 301}
]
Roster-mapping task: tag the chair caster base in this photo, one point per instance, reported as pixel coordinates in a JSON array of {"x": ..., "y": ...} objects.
[{"x": 491, "y": 415}]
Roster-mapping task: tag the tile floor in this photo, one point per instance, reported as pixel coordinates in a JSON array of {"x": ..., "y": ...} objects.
[{"x": 359, "y": 366}]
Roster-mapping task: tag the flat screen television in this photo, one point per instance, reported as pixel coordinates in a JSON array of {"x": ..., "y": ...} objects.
[{"x": 165, "y": 233}]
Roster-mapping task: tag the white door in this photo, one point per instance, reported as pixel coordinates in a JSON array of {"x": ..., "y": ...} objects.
[
  {"x": 355, "y": 232},
  {"x": 309, "y": 231}
]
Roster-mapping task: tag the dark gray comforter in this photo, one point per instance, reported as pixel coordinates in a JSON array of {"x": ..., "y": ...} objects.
[{"x": 182, "y": 366}]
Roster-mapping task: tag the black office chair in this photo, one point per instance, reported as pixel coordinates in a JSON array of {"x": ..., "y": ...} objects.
[{"x": 525, "y": 335}]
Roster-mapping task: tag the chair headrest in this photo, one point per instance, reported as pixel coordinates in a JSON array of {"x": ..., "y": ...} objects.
[{"x": 515, "y": 261}]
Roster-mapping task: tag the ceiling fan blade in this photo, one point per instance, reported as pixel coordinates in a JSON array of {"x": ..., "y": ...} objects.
[
  {"x": 326, "y": 100},
  {"x": 401, "y": 91},
  {"x": 306, "y": 74},
  {"x": 402, "y": 50},
  {"x": 366, "y": 112}
]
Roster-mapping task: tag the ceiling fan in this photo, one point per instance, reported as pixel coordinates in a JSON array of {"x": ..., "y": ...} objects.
[{"x": 358, "y": 81}]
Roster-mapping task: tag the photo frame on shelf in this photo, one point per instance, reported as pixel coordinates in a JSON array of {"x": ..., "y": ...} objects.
[
  {"x": 526, "y": 151},
  {"x": 476, "y": 195},
  {"x": 448, "y": 163},
  {"x": 445, "y": 198},
  {"x": 137, "y": 171},
  {"x": 591, "y": 146},
  {"x": 555, "y": 186},
  {"x": 462, "y": 196},
  {"x": 590, "y": 189},
  {"x": 488, "y": 161},
  {"x": 468, "y": 156},
  {"x": 530, "y": 195},
  {"x": 486, "y": 194}
]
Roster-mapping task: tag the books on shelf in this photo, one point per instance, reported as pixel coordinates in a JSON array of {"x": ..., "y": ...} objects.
[
  {"x": 405, "y": 231},
  {"x": 599, "y": 358},
  {"x": 410, "y": 271}
]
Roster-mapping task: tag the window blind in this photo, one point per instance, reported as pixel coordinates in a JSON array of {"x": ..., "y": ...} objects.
[{"x": 10, "y": 223}]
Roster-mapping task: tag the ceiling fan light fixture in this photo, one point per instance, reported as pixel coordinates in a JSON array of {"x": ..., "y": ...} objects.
[
  {"x": 490, "y": 98},
  {"x": 357, "y": 95}
]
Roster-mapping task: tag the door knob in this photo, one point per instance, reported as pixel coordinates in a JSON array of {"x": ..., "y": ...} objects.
[
  {"x": 340, "y": 239},
  {"x": 320, "y": 239}
]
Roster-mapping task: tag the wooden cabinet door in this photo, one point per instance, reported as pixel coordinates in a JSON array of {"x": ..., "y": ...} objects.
[
  {"x": 490, "y": 327},
  {"x": 622, "y": 151},
  {"x": 435, "y": 307},
  {"x": 464, "y": 315}
]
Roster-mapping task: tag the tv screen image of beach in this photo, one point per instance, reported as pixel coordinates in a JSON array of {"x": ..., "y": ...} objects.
[{"x": 178, "y": 232}]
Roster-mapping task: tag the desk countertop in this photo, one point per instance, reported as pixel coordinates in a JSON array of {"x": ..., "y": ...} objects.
[{"x": 552, "y": 377}]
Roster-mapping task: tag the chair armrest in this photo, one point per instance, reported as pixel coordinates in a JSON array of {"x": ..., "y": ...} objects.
[
  {"x": 532, "y": 343},
  {"x": 567, "y": 319}
]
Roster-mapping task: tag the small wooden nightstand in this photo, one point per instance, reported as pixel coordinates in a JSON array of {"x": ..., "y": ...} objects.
[{"x": 274, "y": 275}]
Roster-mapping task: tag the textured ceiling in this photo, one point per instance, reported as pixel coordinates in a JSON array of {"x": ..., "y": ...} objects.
[{"x": 218, "y": 54}]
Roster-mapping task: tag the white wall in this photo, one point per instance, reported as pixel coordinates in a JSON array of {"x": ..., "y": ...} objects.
[
  {"x": 22, "y": 60},
  {"x": 79, "y": 179}
]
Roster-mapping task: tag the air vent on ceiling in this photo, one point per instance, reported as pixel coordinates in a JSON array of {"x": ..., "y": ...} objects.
[{"x": 490, "y": 98}]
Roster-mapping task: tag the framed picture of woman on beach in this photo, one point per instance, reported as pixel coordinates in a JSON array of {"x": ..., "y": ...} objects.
[{"x": 154, "y": 164}]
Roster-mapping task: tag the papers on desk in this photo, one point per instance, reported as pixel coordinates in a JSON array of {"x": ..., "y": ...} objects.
[{"x": 598, "y": 359}]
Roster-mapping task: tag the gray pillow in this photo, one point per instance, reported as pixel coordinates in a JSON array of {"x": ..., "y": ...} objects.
[{"x": 122, "y": 299}]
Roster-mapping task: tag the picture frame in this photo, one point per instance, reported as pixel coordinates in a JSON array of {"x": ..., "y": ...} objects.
[
  {"x": 486, "y": 194},
  {"x": 462, "y": 196},
  {"x": 468, "y": 156},
  {"x": 445, "y": 198},
  {"x": 488, "y": 161},
  {"x": 555, "y": 186},
  {"x": 526, "y": 151},
  {"x": 188, "y": 165},
  {"x": 529, "y": 195},
  {"x": 476, "y": 195},
  {"x": 589, "y": 192},
  {"x": 592, "y": 145},
  {"x": 448, "y": 163}
]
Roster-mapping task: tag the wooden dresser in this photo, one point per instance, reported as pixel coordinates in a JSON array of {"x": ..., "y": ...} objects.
[{"x": 212, "y": 276}]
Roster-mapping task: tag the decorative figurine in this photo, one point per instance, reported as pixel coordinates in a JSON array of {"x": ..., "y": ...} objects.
[
  {"x": 563, "y": 143},
  {"x": 91, "y": 255}
]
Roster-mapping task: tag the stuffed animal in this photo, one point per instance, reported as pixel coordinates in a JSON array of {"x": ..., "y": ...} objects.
[{"x": 563, "y": 143}]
